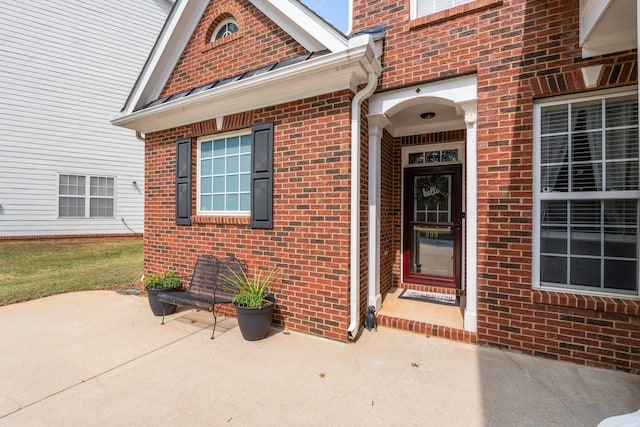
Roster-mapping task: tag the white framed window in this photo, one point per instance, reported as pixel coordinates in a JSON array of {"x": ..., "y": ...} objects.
[
  {"x": 586, "y": 193},
  {"x": 86, "y": 196},
  {"x": 427, "y": 7},
  {"x": 224, "y": 29},
  {"x": 433, "y": 154},
  {"x": 224, "y": 174}
]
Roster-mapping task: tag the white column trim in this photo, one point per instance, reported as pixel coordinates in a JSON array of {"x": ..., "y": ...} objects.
[
  {"x": 471, "y": 222},
  {"x": 463, "y": 92},
  {"x": 376, "y": 126}
]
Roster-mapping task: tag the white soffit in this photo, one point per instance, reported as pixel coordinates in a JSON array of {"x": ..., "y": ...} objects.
[
  {"x": 304, "y": 26},
  {"x": 400, "y": 108},
  {"x": 607, "y": 26},
  {"x": 324, "y": 74}
]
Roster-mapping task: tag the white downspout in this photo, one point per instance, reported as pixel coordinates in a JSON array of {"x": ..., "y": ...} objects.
[{"x": 354, "y": 247}]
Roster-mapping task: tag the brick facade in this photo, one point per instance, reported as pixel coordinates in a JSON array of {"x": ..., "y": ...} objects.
[
  {"x": 258, "y": 42},
  {"x": 520, "y": 50},
  {"x": 310, "y": 237}
]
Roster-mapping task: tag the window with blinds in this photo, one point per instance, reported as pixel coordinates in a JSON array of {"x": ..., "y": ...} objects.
[{"x": 586, "y": 194}]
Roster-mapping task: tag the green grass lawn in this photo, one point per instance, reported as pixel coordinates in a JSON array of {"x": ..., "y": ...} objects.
[{"x": 37, "y": 268}]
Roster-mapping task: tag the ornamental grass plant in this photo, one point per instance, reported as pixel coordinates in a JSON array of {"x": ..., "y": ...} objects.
[{"x": 252, "y": 290}]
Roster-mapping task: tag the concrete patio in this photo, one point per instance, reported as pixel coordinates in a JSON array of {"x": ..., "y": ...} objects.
[{"x": 100, "y": 358}]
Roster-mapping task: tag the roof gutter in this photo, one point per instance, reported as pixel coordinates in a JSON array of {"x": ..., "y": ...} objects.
[
  {"x": 354, "y": 247},
  {"x": 347, "y": 69}
]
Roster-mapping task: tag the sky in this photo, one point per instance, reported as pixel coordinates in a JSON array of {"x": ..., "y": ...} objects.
[{"x": 336, "y": 12}]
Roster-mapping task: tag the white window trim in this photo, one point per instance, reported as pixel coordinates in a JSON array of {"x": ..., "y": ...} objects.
[
  {"x": 219, "y": 27},
  {"x": 406, "y": 151},
  {"x": 413, "y": 9},
  {"x": 207, "y": 138},
  {"x": 87, "y": 196},
  {"x": 538, "y": 196}
]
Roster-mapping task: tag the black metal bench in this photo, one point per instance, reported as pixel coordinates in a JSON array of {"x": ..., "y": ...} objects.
[{"x": 207, "y": 288}]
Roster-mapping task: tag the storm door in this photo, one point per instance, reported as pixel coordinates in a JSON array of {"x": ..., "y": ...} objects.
[{"x": 432, "y": 225}]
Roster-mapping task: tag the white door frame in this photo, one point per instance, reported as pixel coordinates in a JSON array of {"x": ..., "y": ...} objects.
[{"x": 461, "y": 92}]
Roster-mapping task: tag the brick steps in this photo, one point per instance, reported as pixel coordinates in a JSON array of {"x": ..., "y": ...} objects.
[
  {"x": 424, "y": 318},
  {"x": 428, "y": 329}
]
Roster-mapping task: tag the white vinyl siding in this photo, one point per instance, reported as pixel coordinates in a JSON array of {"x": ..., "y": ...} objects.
[
  {"x": 586, "y": 194},
  {"x": 67, "y": 68}
]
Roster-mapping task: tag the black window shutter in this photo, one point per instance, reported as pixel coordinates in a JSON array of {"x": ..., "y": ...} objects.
[
  {"x": 262, "y": 176},
  {"x": 183, "y": 181}
]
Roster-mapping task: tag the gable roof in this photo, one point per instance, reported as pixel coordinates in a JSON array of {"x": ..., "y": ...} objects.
[
  {"x": 307, "y": 28},
  {"x": 335, "y": 63},
  {"x": 221, "y": 82}
]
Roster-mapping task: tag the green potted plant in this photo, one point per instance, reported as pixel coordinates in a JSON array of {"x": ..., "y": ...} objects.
[
  {"x": 155, "y": 283},
  {"x": 253, "y": 302}
]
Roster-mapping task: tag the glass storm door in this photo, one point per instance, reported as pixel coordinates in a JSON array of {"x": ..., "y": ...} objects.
[{"x": 432, "y": 225}]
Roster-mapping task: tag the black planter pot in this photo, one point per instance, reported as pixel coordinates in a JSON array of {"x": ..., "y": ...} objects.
[
  {"x": 254, "y": 323},
  {"x": 158, "y": 307}
]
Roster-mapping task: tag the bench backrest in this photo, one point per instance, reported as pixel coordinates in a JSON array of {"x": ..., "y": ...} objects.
[{"x": 208, "y": 275}]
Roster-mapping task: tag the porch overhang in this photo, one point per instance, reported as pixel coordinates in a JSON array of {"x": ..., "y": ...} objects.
[
  {"x": 607, "y": 26},
  {"x": 325, "y": 74},
  {"x": 444, "y": 97},
  {"x": 386, "y": 113}
]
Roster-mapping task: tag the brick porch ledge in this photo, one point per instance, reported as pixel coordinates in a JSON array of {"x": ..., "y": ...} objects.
[{"x": 605, "y": 304}]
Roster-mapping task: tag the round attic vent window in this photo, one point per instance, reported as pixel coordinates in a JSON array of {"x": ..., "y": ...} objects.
[{"x": 224, "y": 29}]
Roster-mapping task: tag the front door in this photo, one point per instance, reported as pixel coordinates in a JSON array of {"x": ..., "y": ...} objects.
[{"x": 432, "y": 224}]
